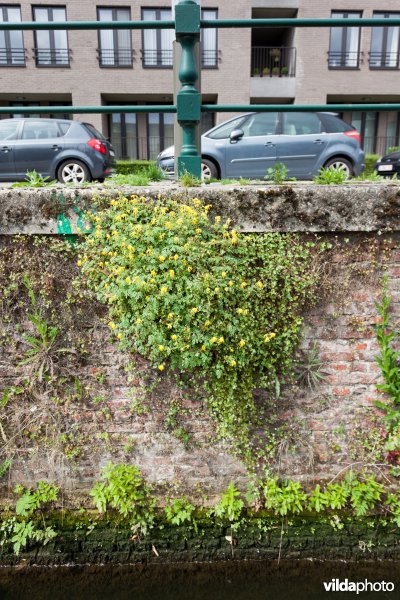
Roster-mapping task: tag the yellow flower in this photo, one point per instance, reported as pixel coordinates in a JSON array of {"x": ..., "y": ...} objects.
[
  {"x": 216, "y": 290},
  {"x": 233, "y": 363},
  {"x": 194, "y": 310},
  {"x": 161, "y": 367},
  {"x": 240, "y": 311},
  {"x": 170, "y": 315},
  {"x": 260, "y": 284},
  {"x": 119, "y": 336},
  {"x": 230, "y": 284},
  {"x": 242, "y": 343},
  {"x": 174, "y": 337},
  {"x": 214, "y": 340},
  {"x": 207, "y": 324},
  {"x": 161, "y": 348},
  {"x": 153, "y": 273},
  {"x": 198, "y": 230},
  {"x": 172, "y": 273},
  {"x": 139, "y": 321},
  {"x": 223, "y": 274},
  {"x": 217, "y": 219},
  {"x": 164, "y": 289},
  {"x": 221, "y": 340},
  {"x": 161, "y": 258},
  {"x": 112, "y": 325},
  {"x": 190, "y": 269},
  {"x": 79, "y": 263},
  {"x": 243, "y": 284},
  {"x": 203, "y": 348},
  {"x": 176, "y": 256},
  {"x": 269, "y": 336},
  {"x": 128, "y": 279}
]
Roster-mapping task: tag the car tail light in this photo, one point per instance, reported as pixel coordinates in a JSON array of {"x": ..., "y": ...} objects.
[
  {"x": 97, "y": 145},
  {"x": 354, "y": 134}
]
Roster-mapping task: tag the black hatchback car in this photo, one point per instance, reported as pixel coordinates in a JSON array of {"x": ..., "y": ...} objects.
[
  {"x": 70, "y": 151},
  {"x": 389, "y": 164}
]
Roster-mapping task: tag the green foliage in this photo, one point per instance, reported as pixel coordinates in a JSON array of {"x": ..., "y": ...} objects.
[
  {"x": 181, "y": 512},
  {"x": 34, "y": 179},
  {"x": 309, "y": 368},
  {"x": 392, "y": 149},
  {"x": 24, "y": 529},
  {"x": 370, "y": 160},
  {"x": 373, "y": 176},
  {"x": 154, "y": 173},
  {"x": 277, "y": 173},
  {"x": 124, "y": 489},
  {"x": 5, "y": 466},
  {"x": 42, "y": 349},
  {"x": 330, "y": 176},
  {"x": 140, "y": 178},
  {"x": 131, "y": 167},
  {"x": 389, "y": 364},
  {"x": 190, "y": 293},
  {"x": 189, "y": 180},
  {"x": 230, "y": 506},
  {"x": 286, "y": 498}
]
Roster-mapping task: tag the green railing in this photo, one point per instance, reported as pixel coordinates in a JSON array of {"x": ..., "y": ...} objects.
[{"x": 187, "y": 25}]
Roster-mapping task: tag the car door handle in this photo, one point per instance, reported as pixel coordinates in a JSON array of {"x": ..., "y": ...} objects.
[
  {"x": 6, "y": 149},
  {"x": 269, "y": 144},
  {"x": 319, "y": 142},
  {"x": 55, "y": 147}
]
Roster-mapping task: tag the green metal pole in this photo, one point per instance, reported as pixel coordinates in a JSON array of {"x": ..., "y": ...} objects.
[{"x": 187, "y": 26}]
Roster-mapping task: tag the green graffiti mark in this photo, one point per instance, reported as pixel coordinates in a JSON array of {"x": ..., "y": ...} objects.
[{"x": 64, "y": 226}]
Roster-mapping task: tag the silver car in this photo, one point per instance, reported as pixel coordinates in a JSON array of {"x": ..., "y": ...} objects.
[{"x": 247, "y": 146}]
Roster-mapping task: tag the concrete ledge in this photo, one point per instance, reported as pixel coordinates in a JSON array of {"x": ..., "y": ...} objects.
[{"x": 363, "y": 207}]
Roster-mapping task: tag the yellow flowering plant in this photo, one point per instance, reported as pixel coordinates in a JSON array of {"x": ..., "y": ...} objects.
[{"x": 190, "y": 294}]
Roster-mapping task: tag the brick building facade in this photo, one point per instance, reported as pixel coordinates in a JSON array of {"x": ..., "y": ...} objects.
[{"x": 285, "y": 65}]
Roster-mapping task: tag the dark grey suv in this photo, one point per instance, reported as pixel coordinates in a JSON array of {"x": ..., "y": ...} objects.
[{"x": 70, "y": 151}]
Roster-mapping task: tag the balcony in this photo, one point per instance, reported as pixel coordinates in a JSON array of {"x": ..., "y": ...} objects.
[
  {"x": 12, "y": 57},
  {"x": 344, "y": 60},
  {"x": 273, "y": 71},
  {"x": 383, "y": 60},
  {"x": 163, "y": 59},
  {"x": 59, "y": 57},
  {"x": 115, "y": 58}
]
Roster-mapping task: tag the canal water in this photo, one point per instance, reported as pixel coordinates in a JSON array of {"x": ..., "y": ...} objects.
[{"x": 245, "y": 580}]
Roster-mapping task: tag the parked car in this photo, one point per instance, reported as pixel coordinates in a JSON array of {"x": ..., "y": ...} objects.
[
  {"x": 389, "y": 164},
  {"x": 247, "y": 146},
  {"x": 70, "y": 151}
]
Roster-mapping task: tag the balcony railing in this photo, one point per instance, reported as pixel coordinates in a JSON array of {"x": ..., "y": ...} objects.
[
  {"x": 384, "y": 60},
  {"x": 118, "y": 57},
  {"x": 273, "y": 62},
  {"x": 59, "y": 57},
  {"x": 12, "y": 57},
  {"x": 164, "y": 58},
  {"x": 344, "y": 60}
]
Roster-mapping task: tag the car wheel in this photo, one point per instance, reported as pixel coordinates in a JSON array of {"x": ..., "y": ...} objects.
[
  {"x": 73, "y": 171},
  {"x": 340, "y": 164},
  {"x": 208, "y": 170}
]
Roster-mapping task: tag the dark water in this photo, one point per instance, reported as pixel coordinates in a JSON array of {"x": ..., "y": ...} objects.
[{"x": 250, "y": 580}]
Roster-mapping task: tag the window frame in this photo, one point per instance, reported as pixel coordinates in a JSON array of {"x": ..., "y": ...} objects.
[
  {"x": 8, "y": 47},
  {"x": 116, "y": 65},
  {"x": 161, "y": 132},
  {"x": 52, "y": 64},
  {"x": 216, "y": 65},
  {"x": 384, "y": 40},
  {"x": 159, "y": 64},
  {"x": 344, "y": 67},
  {"x": 124, "y": 152}
]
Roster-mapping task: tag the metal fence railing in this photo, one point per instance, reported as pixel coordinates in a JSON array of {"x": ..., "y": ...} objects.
[
  {"x": 188, "y": 107},
  {"x": 279, "y": 61}
]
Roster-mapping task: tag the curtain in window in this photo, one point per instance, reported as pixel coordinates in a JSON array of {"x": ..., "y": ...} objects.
[
  {"x": 106, "y": 38},
  {"x": 150, "y": 39},
  {"x": 167, "y": 37},
  {"x": 124, "y": 38}
]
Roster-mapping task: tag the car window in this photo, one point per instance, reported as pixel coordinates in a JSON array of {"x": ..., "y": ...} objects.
[
  {"x": 333, "y": 124},
  {"x": 302, "y": 123},
  {"x": 225, "y": 130},
  {"x": 8, "y": 130},
  {"x": 95, "y": 132},
  {"x": 261, "y": 124},
  {"x": 64, "y": 127},
  {"x": 40, "y": 130}
]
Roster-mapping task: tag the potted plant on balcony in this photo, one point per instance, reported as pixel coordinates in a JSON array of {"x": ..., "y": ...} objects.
[
  {"x": 285, "y": 71},
  {"x": 266, "y": 71},
  {"x": 276, "y": 71},
  {"x": 256, "y": 72}
]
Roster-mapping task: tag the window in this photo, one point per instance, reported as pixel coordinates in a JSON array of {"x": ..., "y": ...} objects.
[
  {"x": 12, "y": 52},
  {"x": 115, "y": 45},
  {"x": 40, "y": 130},
  {"x": 209, "y": 41},
  {"x": 223, "y": 132},
  {"x": 384, "y": 44},
  {"x": 157, "y": 43},
  {"x": 8, "y": 130},
  {"x": 123, "y": 134},
  {"x": 51, "y": 47},
  {"x": 367, "y": 124},
  {"x": 301, "y": 124},
  {"x": 260, "y": 124},
  {"x": 160, "y": 132},
  {"x": 344, "y": 47}
]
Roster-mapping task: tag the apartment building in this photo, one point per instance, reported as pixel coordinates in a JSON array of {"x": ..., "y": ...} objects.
[{"x": 259, "y": 65}]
